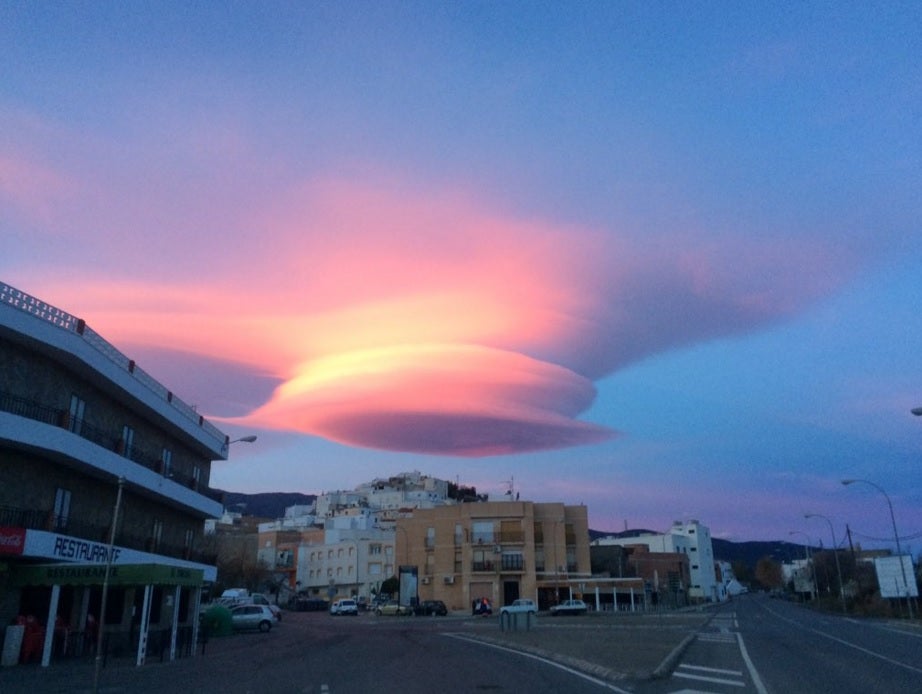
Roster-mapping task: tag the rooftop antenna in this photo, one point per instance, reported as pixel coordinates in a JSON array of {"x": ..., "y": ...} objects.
[{"x": 510, "y": 491}]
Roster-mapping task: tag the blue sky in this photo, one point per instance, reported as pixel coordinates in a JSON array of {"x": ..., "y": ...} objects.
[{"x": 662, "y": 260}]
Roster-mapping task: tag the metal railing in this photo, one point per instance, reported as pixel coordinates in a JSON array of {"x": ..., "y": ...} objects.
[
  {"x": 65, "y": 321},
  {"x": 32, "y": 519}
]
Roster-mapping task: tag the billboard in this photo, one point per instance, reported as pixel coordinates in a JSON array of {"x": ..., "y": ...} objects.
[{"x": 890, "y": 575}]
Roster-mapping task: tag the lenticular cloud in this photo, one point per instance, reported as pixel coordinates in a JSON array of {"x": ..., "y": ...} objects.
[
  {"x": 427, "y": 321},
  {"x": 436, "y": 398}
]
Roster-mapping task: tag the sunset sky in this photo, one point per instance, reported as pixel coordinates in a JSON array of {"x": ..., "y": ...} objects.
[{"x": 663, "y": 260}]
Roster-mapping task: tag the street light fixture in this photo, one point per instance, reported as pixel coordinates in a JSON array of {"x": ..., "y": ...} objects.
[
  {"x": 243, "y": 439},
  {"x": 896, "y": 535},
  {"x": 835, "y": 553},
  {"x": 917, "y": 411}
]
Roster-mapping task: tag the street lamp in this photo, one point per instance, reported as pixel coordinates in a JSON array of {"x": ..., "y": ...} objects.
[
  {"x": 816, "y": 590},
  {"x": 835, "y": 553},
  {"x": 917, "y": 411},
  {"x": 896, "y": 535},
  {"x": 101, "y": 622},
  {"x": 243, "y": 439}
]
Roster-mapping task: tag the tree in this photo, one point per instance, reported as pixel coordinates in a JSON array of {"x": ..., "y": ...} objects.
[
  {"x": 768, "y": 573},
  {"x": 391, "y": 585}
]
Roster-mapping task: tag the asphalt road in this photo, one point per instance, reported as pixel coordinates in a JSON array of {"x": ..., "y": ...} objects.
[
  {"x": 755, "y": 644},
  {"x": 318, "y": 653}
]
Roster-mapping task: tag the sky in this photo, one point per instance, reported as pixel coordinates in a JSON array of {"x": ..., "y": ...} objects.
[{"x": 663, "y": 260}]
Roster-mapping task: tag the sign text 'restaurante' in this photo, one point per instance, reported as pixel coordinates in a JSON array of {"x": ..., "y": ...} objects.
[{"x": 68, "y": 548}]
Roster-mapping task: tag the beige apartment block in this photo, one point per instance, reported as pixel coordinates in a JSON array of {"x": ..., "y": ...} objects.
[{"x": 501, "y": 550}]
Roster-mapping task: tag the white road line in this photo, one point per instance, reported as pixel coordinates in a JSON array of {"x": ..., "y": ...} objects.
[
  {"x": 843, "y": 642},
  {"x": 715, "y": 670},
  {"x": 756, "y": 680},
  {"x": 559, "y": 666},
  {"x": 714, "y": 680}
]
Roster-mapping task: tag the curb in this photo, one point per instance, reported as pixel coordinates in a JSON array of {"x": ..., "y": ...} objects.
[{"x": 666, "y": 667}]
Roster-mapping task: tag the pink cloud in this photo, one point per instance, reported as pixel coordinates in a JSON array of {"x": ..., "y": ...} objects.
[{"x": 429, "y": 321}]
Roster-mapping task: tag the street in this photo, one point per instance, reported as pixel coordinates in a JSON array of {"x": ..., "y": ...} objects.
[
  {"x": 752, "y": 644},
  {"x": 760, "y": 645}
]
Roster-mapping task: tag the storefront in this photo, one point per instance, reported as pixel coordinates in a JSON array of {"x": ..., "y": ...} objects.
[{"x": 60, "y": 605}]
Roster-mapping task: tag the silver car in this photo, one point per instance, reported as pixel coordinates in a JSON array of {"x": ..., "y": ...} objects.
[{"x": 252, "y": 617}]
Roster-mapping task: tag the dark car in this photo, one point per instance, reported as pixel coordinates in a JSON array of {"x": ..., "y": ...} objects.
[
  {"x": 305, "y": 604},
  {"x": 431, "y": 608},
  {"x": 482, "y": 606}
]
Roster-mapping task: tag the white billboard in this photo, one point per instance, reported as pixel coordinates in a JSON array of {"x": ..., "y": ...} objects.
[{"x": 890, "y": 577}]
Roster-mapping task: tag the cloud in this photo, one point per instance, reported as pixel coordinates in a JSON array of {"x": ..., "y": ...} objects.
[{"x": 403, "y": 318}]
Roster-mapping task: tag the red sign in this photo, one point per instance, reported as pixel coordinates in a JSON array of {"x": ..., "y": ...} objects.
[{"x": 12, "y": 540}]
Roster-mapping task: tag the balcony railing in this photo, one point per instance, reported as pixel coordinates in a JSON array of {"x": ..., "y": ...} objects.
[
  {"x": 32, "y": 519},
  {"x": 483, "y": 566},
  {"x": 109, "y": 440},
  {"x": 65, "y": 321}
]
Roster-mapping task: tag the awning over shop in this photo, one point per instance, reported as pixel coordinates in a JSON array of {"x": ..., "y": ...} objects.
[{"x": 94, "y": 574}]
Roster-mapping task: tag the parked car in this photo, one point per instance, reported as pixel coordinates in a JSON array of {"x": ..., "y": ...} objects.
[
  {"x": 303, "y": 603},
  {"x": 252, "y": 617},
  {"x": 569, "y": 607},
  {"x": 392, "y": 607},
  {"x": 482, "y": 606},
  {"x": 344, "y": 606},
  {"x": 520, "y": 605},
  {"x": 431, "y": 607}
]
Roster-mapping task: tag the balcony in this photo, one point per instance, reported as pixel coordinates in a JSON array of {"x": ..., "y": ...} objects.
[
  {"x": 32, "y": 519},
  {"x": 110, "y": 440},
  {"x": 481, "y": 566}
]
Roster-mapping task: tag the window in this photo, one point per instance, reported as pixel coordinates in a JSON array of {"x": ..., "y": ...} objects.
[
  {"x": 196, "y": 476},
  {"x": 483, "y": 560},
  {"x": 458, "y": 562},
  {"x": 61, "y": 509},
  {"x": 156, "y": 533},
  {"x": 127, "y": 441},
  {"x": 430, "y": 538},
  {"x": 513, "y": 561},
  {"x": 166, "y": 462},
  {"x": 77, "y": 410},
  {"x": 188, "y": 538},
  {"x": 539, "y": 560},
  {"x": 459, "y": 534},
  {"x": 482, "y": 533},
  {"x": 374, "y": 569},
  {"x": 374, "y": 549}
]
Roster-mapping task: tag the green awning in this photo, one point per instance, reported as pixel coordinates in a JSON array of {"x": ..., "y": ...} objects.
[{"x": 94, "y": 574}]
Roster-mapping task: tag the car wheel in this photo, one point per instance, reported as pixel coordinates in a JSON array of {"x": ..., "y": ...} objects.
[
  {"x": 265, "y": 625},
  {"x": 378, "y": 613}
]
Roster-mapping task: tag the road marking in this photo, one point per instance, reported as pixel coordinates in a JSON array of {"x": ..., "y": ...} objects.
[
  {"x": 713, "y": 680},
  {"x": 559, "y": 666},
  {"x": 715, "y": 670},
  {"x": 843, "y": 642},
  {"x": 756, "y": 680}
]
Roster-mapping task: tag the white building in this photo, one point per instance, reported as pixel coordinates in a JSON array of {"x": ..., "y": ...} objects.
[{"x": 690, "y": 538}]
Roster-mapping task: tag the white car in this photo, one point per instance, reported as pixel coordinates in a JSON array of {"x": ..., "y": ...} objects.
[
  {"x": 569, "y": 607},
  {"x": 520, "y": 605},
  {"x": 345, "y": 606}
]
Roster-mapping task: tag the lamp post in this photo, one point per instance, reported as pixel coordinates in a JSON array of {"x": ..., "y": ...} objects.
[
  {"x": 835, "y": 553},
  {"x": 101, "y": 622},
  {"x": 809, "y": 560},
  {"x": 243, "y": 439},
  {"x": 896, "y": 535},
  {"x": 917, "y": 411}
]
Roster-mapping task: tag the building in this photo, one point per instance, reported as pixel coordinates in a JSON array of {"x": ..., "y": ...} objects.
[
  {"x": 691, "y": 539},
  {"x": 103, "y": 491},
  {"x": 500, "y": 550}
]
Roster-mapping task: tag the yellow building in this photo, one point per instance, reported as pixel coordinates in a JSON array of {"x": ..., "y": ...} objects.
[{"x": 500, "y": 550}]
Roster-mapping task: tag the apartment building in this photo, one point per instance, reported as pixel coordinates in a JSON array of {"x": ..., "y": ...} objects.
[
  {"x": 103, "y": 483},
  {"x": 500, "y": 550},
  {"x": 690, "y": 539}
]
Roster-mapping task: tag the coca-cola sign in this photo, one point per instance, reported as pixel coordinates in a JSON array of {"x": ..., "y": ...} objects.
[{"x": 12, "y": 540}]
